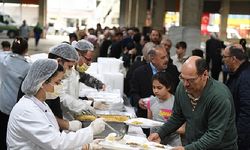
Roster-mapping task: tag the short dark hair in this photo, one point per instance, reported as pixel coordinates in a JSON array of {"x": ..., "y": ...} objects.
[
  {"x": 5, "y": 44},
  {"x": 19, "y": 46},
  {"x": 157, "y": 31},
  {"x": 146, "y": 38},
  {"x": 197, "y": 52},
  {"x": 73, "y": 35},
  {"x": 137, "y": 30},
  {"x": 243, "y": 42},
  {"x": 201, "y": 66},
  {"x": 119, "y": 34},
  {"x": 164, "y": 78},
  {"x": 237, "y": 52},
  {"x": 59, "y": 69},
  {"x": 137, "y": 37},
  {"x": 181, "y": 44},
  {"x": 130, "y": 45}
]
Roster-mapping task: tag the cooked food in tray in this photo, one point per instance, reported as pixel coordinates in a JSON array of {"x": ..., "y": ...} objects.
[
  {"x": 108, "y": 118},
  {"x": 133, "y": 144},
  {"x": 143, "y": 122},
  {"x": 136, "y": 122}
]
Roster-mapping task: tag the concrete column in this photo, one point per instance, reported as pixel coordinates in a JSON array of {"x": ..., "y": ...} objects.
[
  {"x": 224, "y": 11},
  {"x": 141, "y": 14},
  {"x": 43, "y": 14},
  {"x": 133, "y": 10},
  {"x": 122, "y": 19},
  {"x": 133, "y": 13},
  {"x": 158, "y": 14},
  {"x": 190, "y": 13},
  {"x": 128, "y": 12},
  {"x": 125, "y": 13}
]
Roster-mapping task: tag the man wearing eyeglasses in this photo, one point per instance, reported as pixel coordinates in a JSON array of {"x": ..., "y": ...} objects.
[
  {"x": 239, "y": 84},
  {"x": 206, "y": 106}
]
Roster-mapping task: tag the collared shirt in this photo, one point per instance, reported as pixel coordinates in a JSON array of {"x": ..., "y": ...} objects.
[
  {"x": 13, "y": 68},
  {"x": 154, "y": 70},
  {"x": 178, "y": 62}
]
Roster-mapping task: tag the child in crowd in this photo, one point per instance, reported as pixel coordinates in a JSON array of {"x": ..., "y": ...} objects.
[
  {"x": 5, "y": 46},
  {"x": 160, "y": 106}
]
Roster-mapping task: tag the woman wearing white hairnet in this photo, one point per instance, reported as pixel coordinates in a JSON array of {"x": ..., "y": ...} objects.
[
  {"x": 32, "y": 125},
  {"x": 67, "y": 56},
  {"x": 70, "y": 96}
]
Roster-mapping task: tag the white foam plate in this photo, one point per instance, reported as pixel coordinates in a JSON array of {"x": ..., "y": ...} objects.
[
  {"x": 121, "y": 145},
  {"x": 143, "y": 122}
]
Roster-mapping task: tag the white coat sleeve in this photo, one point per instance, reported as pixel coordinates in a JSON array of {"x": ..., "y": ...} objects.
[
  {"x": 69, "y": 98},
  {"x": 40, "y": 131},
  {"x": 74, "y": 105}
]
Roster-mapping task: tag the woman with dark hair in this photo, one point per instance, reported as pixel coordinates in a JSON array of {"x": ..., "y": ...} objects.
[{"x": 14, "y": 68}]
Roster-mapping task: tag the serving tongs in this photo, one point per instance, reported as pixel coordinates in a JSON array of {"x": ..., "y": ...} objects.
[{"x": 119, "y": 134}]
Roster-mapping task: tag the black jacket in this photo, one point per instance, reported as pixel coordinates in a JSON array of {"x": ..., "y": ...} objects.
[{"x": 239, "y": 85}]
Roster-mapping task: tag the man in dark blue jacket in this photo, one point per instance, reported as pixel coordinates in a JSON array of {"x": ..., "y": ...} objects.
[
  {"x": 141, "y": 82},
  {"x": 239, "y": 84}
]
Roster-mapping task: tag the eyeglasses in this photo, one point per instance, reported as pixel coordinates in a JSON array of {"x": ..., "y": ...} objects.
[
  {"x": 56, "y": 83},
  {"x": 223, "y": 56},
  {"x": 190, "y": 80},
  {"x": 88, "y": 59}
]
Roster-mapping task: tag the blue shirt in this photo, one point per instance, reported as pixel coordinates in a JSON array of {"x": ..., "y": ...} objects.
[
  {"x": 154, "y": 70},
  {"x": 13, "y": 68}
]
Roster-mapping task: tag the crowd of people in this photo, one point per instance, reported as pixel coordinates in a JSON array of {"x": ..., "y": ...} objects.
[{"x": 39, "y": 100}]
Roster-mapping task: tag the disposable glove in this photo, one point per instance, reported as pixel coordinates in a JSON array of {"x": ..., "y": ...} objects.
[
  {"x": 75, "y": 125},
  {"x": 90, "y": 109},
  {"x": 95, "y": 145},
  {"x": 101, "y": 105},
  {"x": 97, "y": 126},
  {"x": 84, "y": 108}
]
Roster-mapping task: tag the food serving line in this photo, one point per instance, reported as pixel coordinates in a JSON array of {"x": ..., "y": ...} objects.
[{"x": 120, "y": 115}]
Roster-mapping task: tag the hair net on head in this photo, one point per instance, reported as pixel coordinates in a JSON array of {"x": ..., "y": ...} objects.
[
  {"x": 39, "y": 72},
  {"x": 92, "y": 39},
  {"x": 83, "y": 45},
  {"x": 65, "y": 51}
]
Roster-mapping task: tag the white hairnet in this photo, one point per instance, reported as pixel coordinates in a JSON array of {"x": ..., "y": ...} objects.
[
  {"x": 39, "y": 72},
  {"x": 83, "y": 45},
  {"x": 92, "y": 39},
  {"x": 65, "y": 51}
]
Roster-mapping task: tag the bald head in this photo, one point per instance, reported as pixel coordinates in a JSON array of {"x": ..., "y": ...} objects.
[
  {"x": 194, "y": 64},
  {"x": 194, "y": 75}
]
